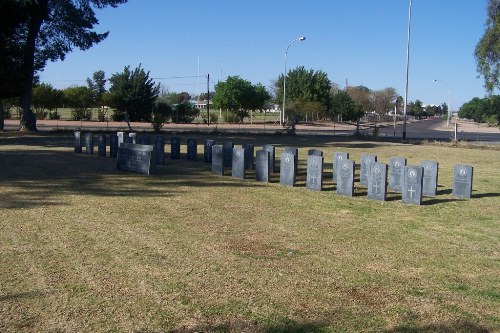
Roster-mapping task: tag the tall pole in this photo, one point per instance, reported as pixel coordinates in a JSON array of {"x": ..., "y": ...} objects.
[
  {"x": 282, "y": 117},
  {"x": 208, "y": 99},
  {"x": 449, "y": 101},
  {"x": 407, "y": 67}
]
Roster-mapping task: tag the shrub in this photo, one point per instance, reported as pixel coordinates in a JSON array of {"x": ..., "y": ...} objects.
[
  {"x": 54, "y": 115},
  {"x": 41, "y": 113},
  {"x": 230, "y": 117},
  {"x": 81, "y": 114},
  {"x": 102, "y": 114}
]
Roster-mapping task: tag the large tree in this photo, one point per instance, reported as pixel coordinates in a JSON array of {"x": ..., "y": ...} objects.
[
  {"x": 41, "y": 31},
  {"x": 384, "y": 100},
  {"x": 488, "y": 48}
]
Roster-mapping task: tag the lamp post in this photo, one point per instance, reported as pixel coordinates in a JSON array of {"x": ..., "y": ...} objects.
[
  {"x": 407, "y": 67},
  {"x": 282, "y": 118},
  {"x": 449, "y": 101}
]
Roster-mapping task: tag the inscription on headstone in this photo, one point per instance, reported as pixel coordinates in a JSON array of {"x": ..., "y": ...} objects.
[
  {"x": 175, "y": 148},
  {"x": 366, "y": 162},
  {"x": 136, "y": 158},
  {"x": 345, "y": 177},
  {"x": 238, "y": 163},
  {"x": 314, "y": 172},
  {"x": 430, "y": 181},
  {"x": 462, "y": 180},
  {"x": 377, "y": 183},
  {"x": 113, "y": 146},
  {"x": 160, "y": 149},
  {"x": 228, "y": 153},
  {"x": 396, "y": 173},
  {"x": 272, "y": 157},
  {"x": 262, "y": 166},
  {"x": 89, "y": 143},
  {"x": 295, "y": 152},
  {"x": 412, "y": 184},
  {"x": 287, "y": 169},
  {"x": 337, "y": 158},
  {"x": 192, "y": 150},
  {"x": 101, "y": 145},
  {"x": 249, "y": 149},
  {"x": 78, "y": 142},
  {"x": 218, "y": 160},
  {"x": 207, "y": 152}
]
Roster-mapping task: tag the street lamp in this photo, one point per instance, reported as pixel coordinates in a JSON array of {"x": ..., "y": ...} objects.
[
  {"x": 407, "y": 66},
  {"x": 282, "y": 118},
  {"x": 449, "y": 101}
]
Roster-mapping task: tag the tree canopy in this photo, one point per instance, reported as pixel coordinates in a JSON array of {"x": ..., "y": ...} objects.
[{"x": 487, "y": 51}]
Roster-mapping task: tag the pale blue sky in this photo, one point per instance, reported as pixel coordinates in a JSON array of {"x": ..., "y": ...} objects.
[{"x": 363, "y": 41}]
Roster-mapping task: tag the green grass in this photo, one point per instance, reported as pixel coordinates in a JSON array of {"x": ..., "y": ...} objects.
[{"x": 86, "y": 248}]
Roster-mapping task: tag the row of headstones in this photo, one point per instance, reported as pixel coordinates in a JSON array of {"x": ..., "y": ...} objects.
[{"x": 412, "y": 181}]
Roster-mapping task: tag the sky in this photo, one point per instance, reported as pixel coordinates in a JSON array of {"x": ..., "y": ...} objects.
[{"x": 361, "y": 42}]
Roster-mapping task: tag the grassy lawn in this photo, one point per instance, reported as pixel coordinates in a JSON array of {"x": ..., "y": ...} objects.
[{"x": 86, "y": 248}]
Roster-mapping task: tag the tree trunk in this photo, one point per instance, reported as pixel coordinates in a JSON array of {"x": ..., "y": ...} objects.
[
  {"x": 2, "y": 121},
  {"x": 38, "y": 14}
]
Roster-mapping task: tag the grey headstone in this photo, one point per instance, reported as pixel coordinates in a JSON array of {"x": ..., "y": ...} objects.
[
  {"x": 345, "y": 177},
  {"x": 133, "y": 136},
  {"x": 113, "y": 146},
  {"x": 228, "y": 153},
  {"x": 337, "y": 158},
  {"x": 207, "y": 152},
  {"x": 136, "y": 158},
  {"x": 218, "y": 160},
  {"x": 192, "y": 150},
  {"x": 365, "y": 166},
  {"x": 78, "y": 142},
  {"x": 262, "y": 166},
  {"x": 412, "y": 184},
  {"x": 287, "y": 169},
  {"x": 462, "y": 180},
  {"x": 238, "y": 163},
  {"x": 101, "y": 145},
  {"x": 89, "y": 143},
  {"x": 430, "y": 182},
  {"x": 396, "y": 173},
  {"x": 377, "y": 183},
  {"x": 272, "y": 157},
  {"x": 160, "y": 149},
  {"x": 175, "y": 148},
  {"x": 315, "y": 152},
  {"x": 145, "y": 139},
  {"x": 121, "y": 136},
  {"x": 314, "y": 172},
  {"x": 295, "y": 152},
  {"x": 249, "y": 150}
]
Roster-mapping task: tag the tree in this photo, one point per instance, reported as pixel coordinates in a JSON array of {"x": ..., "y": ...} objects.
[
  {"x": 361, "y": 95},
  {"x": 45, "y": 99},
  {"x": 177, "y": 98},
  {"x": 185, "y": 113},
  {"x": 98, "y": 87},
  {"x": 342, "y": 104},
  {"x": 384, "y": 100},
  {"x": 134, "y": 94},
  {"x": 415, "y": 109},
  {"x": 304, "y": 86},
  {"x": 482, "y": 110},
  {"x": 487, "y": 50},
  {"x": 43, "y": 30},
  {"x": 79, "y": 99}
]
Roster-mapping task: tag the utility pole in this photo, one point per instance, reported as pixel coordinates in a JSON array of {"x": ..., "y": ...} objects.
[{"x": 208, "y": 99}]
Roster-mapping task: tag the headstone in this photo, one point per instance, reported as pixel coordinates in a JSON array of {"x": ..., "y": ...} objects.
[
  {"x": 249, "y": 149},
  {"x": 366, "y": 162},
  {"x": 295, "y": 152},
  {"x": 89, "y": 143},
  {"x": 192, "y": 150},
  {"x": 377, "y": 183},
  {"x": 287, "y": 169},
  {"x": 78, "y": 142},
  {"x": 160, "y": 149},
  {"x": 175, "y": 148},
  {"x": 272, "y": 157},
  {"x": 262, "y": 166},
  {"x": 238, "y": 163},
  {"x": 218, "y": 160},
  {"x": 145, "y": 139},
  {"x": 337, "y": 158},
  {"x": 315, "y": 152},
  {"x": 345, "y": 177},
  {"x": 412, "y": 184},
  {"x": 430, "y": 182},
  {"x": 113, "y": 146},
  {"x": 228, "y": 153},
  {"x": 314, "y": 172},
  {"x": 462, "y": 180},
  {"x": 136, "y": 158},
  {"x": 396, "y": 173},
  {"x": 121, "y": 136},
  {"x": 133, "y": 136},
  {"x": 101, "y": 145},
  {"x": 207, "y": 152}
]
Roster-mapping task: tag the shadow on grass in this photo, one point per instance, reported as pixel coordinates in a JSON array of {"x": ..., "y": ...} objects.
[
  {"x": 456, "y": 327},
  {"x": 22, "y": 295},
  {"x": 237, "y": 326}
]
